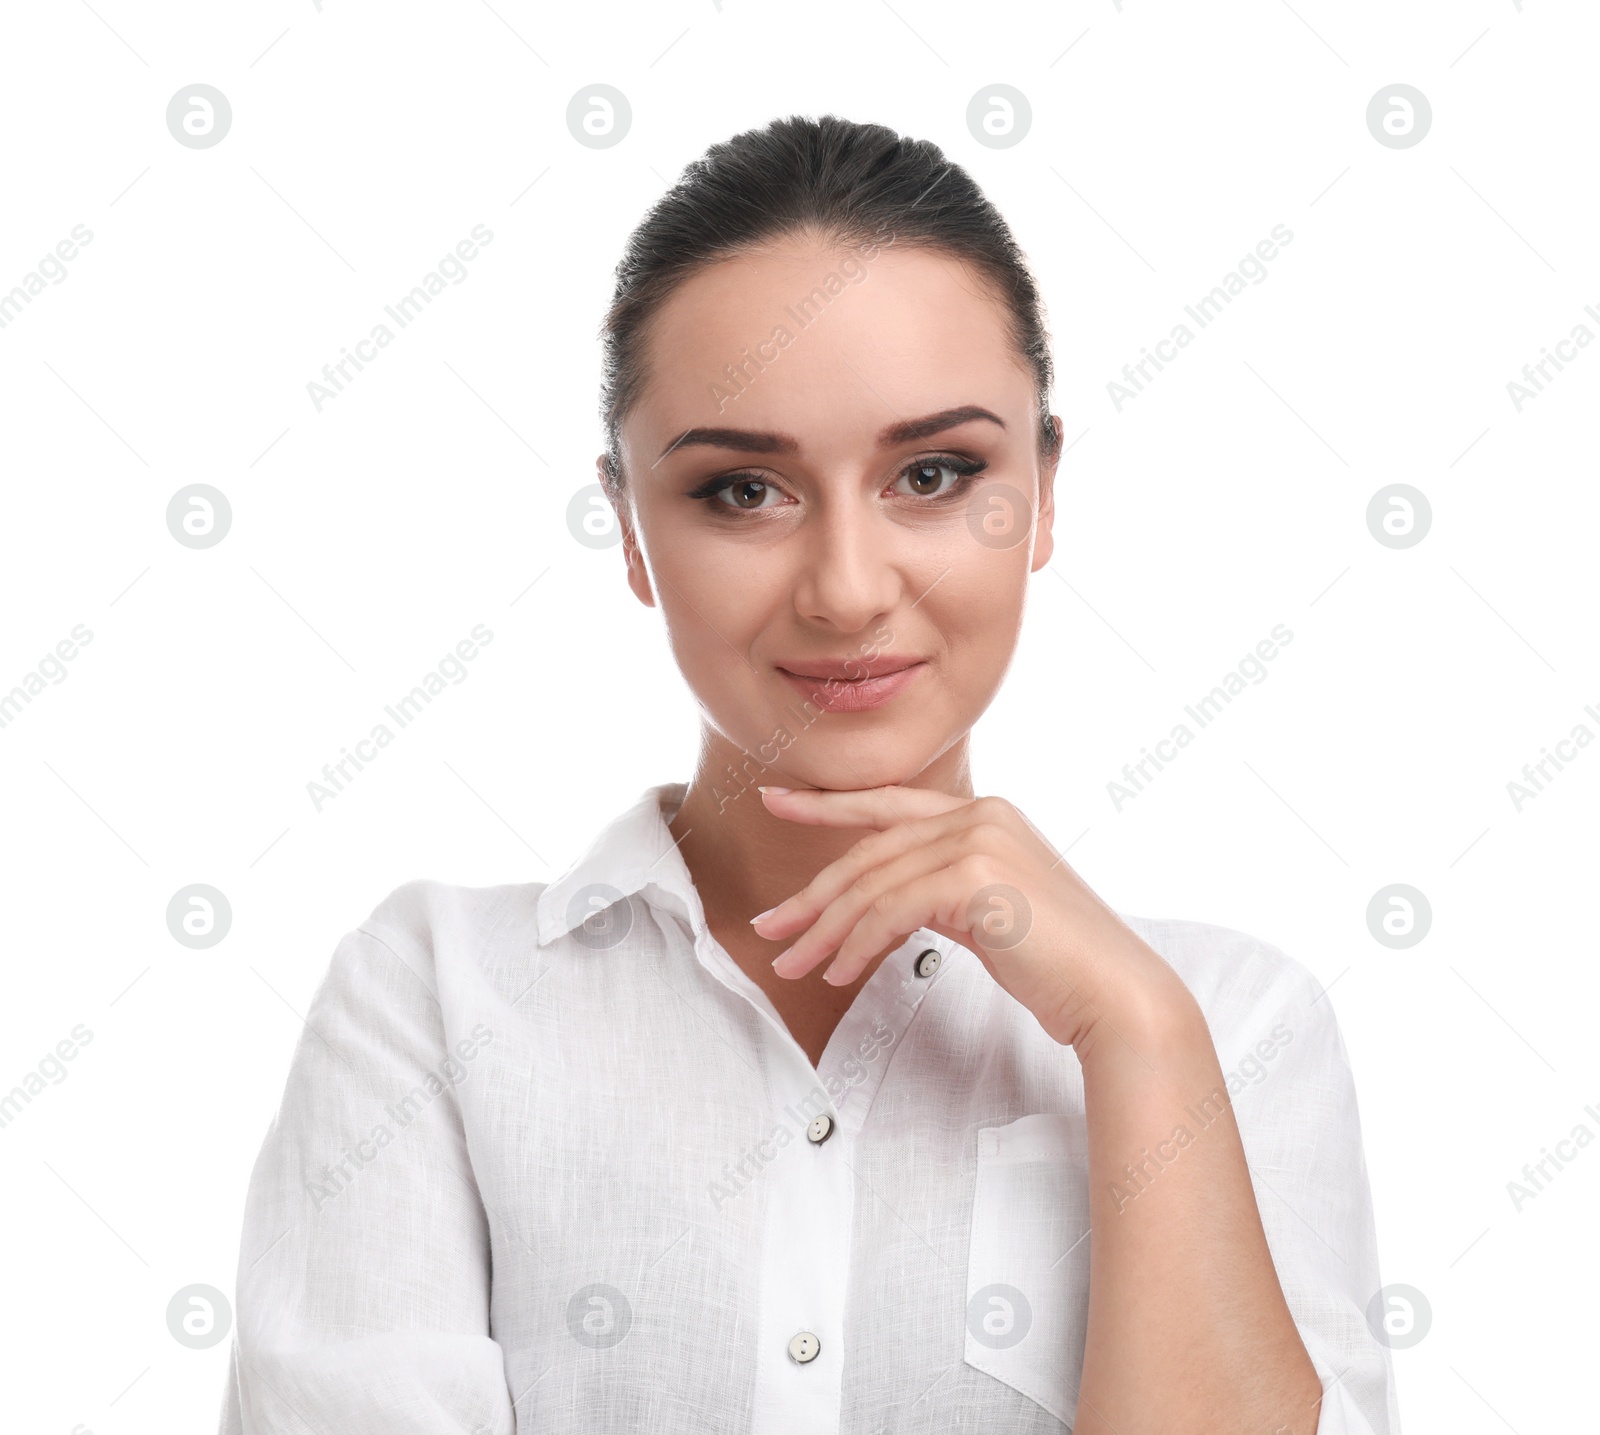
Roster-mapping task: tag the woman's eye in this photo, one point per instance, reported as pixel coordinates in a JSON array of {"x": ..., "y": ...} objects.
[
  {"x": 934, "y": 478},
  {"x": 745, "y": 493},
  {"x": 927, "y": 477}
]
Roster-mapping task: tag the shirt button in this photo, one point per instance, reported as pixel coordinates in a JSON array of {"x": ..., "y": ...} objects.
[
  {"x": 819, "y": 1130},
  {"x": 927, "y": 962},
  {"x": 804, "y": 1347}
]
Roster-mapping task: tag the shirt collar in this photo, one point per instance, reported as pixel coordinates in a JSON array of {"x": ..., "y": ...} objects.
[{"x": 634, "y": 852}]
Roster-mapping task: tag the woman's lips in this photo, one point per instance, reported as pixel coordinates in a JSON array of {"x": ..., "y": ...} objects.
[{"x": 852, "y": 695}]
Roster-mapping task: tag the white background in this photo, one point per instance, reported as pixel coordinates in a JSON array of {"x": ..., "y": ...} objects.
[{"x": 369, "y": 538}]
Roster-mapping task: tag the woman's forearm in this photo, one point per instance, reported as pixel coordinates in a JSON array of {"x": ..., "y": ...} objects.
[{"x": 1188, "y": 1329}]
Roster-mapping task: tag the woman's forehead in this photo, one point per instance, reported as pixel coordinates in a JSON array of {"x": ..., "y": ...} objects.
[
  {"x": 801, "y": 283},
  {"x": 805, "y": 336}
]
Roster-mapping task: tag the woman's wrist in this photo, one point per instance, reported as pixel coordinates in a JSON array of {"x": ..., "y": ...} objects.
[{"x": 1140, "y": 1007}]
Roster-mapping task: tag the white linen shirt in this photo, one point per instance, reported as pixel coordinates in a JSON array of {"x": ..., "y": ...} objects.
[{"x": 545, "y": 1162}]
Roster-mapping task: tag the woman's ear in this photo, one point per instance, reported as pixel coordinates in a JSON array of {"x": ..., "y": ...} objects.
[
  {"x": 1044, "y": 542},
  {"x": 638, "y": 574}
]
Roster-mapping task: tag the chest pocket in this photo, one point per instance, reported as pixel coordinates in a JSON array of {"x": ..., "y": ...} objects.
[{"x": 1028, "y": 1259}]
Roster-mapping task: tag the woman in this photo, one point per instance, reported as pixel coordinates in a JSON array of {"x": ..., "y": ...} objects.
[{"x": 937, "y": 1141}]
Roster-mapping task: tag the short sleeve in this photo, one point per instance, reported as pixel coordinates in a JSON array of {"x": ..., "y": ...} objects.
[
  {"x": 363, "y": 1288},
  {"x": 1295, "y": 1102}
]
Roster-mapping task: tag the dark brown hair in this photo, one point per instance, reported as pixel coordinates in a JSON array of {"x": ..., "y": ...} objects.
[{"x": 843, "y": 181}]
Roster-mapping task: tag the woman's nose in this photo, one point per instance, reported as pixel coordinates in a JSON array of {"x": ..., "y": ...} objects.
[{"x": 847, "y": 570}]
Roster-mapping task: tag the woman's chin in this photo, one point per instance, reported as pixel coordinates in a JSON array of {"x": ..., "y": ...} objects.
[{"x": 849, "y": 774}]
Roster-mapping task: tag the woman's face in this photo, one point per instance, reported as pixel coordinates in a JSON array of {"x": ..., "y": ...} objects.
[{"x": 834, "y": 528}]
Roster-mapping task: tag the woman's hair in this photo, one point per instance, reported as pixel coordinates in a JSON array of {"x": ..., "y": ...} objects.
[{"x": 831, "y": 177}]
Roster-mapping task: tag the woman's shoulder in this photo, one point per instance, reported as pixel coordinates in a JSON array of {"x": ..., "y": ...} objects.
[
  {"x": 438, "y": 921},
  {"x": 1240, "y": 980}
]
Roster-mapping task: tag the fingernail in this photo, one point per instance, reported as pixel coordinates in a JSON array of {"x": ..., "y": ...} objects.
[
  {"x": 762, "y": 916},
  {"x": 779, "y": 790},
  {"x": 781, "y": 955}
]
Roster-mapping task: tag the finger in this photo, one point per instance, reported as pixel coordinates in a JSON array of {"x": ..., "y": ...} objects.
[
  {"x": 932, "y": 834},
  {"x": 845, "y": 912},
  {"x": 859, "y": 807},
  {"x": 942, "y": 901},
  {"x": 936, "y": 900}
]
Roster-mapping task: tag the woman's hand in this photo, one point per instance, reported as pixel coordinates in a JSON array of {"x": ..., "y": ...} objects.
[
  {"x": 974, "y": 870},
  {"x": 1188, "y": 1327}
]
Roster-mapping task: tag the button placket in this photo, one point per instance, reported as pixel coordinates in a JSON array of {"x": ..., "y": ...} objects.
[
  {"x": 807, "y": 1228},
  {"x": 809, "y": 1204},
  {"x": 854, "y": 1061}
]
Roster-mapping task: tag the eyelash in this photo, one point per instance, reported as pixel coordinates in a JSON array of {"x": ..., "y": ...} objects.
[{"x": 965, "y": 468}]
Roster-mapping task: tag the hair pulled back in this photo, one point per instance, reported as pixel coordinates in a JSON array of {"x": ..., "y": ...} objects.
[{"x": 842, "y": 181}]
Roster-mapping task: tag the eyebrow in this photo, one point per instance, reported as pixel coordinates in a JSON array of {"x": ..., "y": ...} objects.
[{"x": 764, "y": 441}]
